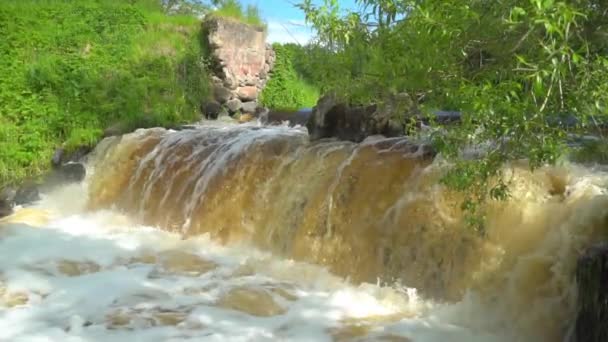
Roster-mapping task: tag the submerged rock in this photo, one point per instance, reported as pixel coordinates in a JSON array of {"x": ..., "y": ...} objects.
[{"x": 592, "y": 280}]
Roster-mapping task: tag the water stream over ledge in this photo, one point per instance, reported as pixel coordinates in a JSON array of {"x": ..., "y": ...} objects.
[{"x": 264, "y": 236}]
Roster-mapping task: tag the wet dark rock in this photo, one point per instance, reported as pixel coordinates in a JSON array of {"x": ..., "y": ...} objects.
[
  {"x": 592, "y": 280},
  {"x": 79, "y": 154},
  {"x": 69, "y": 173},
  {"x": 318, "y": 125},
  {"x": 274, "y": 117},
  {"x": 211, "y": 110},
  {"x": 330, "y": 118},
  {"x": 27, "y": 193},
  {"x": 6, "y": 207},
  {"x": 61, "y": 156}
]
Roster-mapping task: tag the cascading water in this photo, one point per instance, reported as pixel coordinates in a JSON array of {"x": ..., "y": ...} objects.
[{"x": 372, "y": 212}]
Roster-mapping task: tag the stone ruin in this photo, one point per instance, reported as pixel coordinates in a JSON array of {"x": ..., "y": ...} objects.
[{"x": 241, "y": 62}]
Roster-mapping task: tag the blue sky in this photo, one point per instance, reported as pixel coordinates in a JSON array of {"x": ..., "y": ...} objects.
[{"x": 286, "y": 22}]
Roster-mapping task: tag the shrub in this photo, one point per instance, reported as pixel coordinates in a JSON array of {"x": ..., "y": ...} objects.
[
  {"x": 234, "y": 9},
  {"x": 286, "y": 89}
]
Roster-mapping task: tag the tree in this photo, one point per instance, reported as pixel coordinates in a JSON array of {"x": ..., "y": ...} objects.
[{"x": 514, "y": 69}]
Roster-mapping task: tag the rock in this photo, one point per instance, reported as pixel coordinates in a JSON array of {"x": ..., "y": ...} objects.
[
  {"x": 114, "y": 130},
  {"x": 592, "y": 279},
  {"x": 221, "y": 94},
  {"x": 65, "y": 174},
  {"x": 317, "y": 125},
  {"x": 27, "y": 193},
  {"x": 234, "y": 105},
  {"x": 78, "y": 155},
  {"x": 7, "y": 196},
  {"x": 61, "y": 156},
  {"x": 216, "y": 81},
  {"x": 6, "y": 208},
  {"x": 249, "y": 107},
  {"x": 248, "y": 93},
  {"x": 72, "y": 172},
  {"x": 57, "y": 158},
  {"x": 246, "y": 118},
  {"x": 273, "y": 117},
  {"x": 355, "y": 123},
  {"x": 211, "y": 110}
]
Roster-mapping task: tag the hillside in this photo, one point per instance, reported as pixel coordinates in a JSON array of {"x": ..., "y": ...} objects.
[{"x": 69, "y": 70}]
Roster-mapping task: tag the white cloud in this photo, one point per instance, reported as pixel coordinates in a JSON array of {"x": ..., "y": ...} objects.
[{"x": 289, "y": 31}]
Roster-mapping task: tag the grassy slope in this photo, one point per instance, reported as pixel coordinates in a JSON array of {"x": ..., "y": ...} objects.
[{"x": 70, "y": 69}]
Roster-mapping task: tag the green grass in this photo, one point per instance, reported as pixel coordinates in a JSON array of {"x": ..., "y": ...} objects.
[{"x": 70, "y": 69}]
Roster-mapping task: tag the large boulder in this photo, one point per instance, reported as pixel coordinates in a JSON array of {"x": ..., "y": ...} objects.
[
  {"x": 330, "y": 118},
  {"x": 318, "y": 123},
  {"x": 592, "y": 281}
]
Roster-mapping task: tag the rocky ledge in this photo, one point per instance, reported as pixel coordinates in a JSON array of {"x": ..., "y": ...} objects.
[
  {"x": 592, "y": 280},
  {"x": 66, "y": 168}
]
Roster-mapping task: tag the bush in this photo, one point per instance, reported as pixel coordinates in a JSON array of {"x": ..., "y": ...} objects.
[
  {"x": 234, "y": 9},
  {"x": 286, "y": 89},
  {"x": 68, "y": 70}
]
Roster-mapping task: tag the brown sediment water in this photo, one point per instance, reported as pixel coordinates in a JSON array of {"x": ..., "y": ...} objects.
[
  {"x": 371, "y": 212},
  {"x": 250, "y": 233}
]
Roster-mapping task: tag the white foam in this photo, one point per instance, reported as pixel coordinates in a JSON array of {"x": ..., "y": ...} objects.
[{"x": 63, "y": 308}]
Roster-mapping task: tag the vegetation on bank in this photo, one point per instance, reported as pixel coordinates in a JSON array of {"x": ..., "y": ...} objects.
[
  {"x": 70, "y": 69},
  {"x": 515, "y": 69},
  {"x": 234, "y": 9},
  {"x": 288, "y": 88}
]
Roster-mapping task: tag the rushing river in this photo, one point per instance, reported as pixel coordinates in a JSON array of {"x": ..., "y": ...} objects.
[{"x": 242, "y": 233}]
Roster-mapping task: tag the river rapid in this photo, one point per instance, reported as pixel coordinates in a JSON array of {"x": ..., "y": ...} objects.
[{"x": 247, "y": 233}]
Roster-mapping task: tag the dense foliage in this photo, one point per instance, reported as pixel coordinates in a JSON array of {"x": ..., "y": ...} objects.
[
  {"x": 249, "y": 14},
  {"x": 288, "y": 87},
  {"x": 515, "y": 69},
  {"x": 70, "y": 69},
  {"x": 234, "y": 9}
]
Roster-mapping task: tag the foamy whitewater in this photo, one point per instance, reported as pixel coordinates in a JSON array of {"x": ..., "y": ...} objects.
[
  {"x": 74, "y": 272},
  {"x": 74, "y": 276}
]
